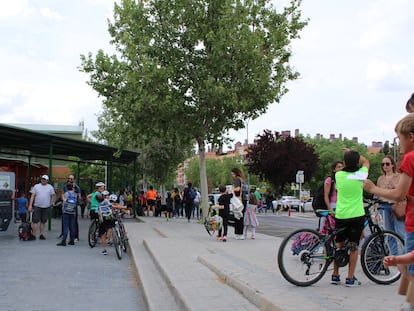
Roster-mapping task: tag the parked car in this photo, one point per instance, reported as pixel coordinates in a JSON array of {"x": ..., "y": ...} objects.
[
  {"x": 291, "y": 201},
  {"x": 213, "y": 200},
  {"x": 307, "y": 206}
]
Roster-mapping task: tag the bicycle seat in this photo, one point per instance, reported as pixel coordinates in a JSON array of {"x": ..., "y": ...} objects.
[{"x": 324, "y": 212}]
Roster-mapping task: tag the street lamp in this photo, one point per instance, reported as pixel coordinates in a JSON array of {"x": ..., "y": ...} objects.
[{"x": 247, "y": 146}]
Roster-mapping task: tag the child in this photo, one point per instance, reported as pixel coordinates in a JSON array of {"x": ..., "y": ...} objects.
[
  {"x": 22, "y": 203},
  {"x": 70, "y": 204},
  {"x": 405, "y": 259},
  {"x": 410, "y": 104},
  {"x": 169, "y": 202},
  {"x": 350, "y": 212},
  {"x": 250, "y": 218},
  {"x": 106, "y": 220},
  {"x": 404, "y": 188},
  {"x": 224, "y": 211}
]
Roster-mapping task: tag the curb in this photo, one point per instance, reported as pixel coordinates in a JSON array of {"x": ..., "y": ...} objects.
[
  {"x": 250, "y": 293},
  {"x": 177, "y": 294}
]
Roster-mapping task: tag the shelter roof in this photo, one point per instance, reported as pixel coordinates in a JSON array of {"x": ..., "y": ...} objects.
[{"x": 30, "y": 142}]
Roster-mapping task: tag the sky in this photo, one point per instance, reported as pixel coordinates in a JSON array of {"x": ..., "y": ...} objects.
[{"x": 355, "y": 60}]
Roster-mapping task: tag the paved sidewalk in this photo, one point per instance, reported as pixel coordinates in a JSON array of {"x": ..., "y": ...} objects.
[
  {"x": 40, "y": 276},
  {"x": 182, "y": 268}
]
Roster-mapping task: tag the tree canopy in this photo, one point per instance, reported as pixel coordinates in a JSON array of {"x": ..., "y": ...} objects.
[
  {"x": 277, "y": 159},
  {"x": 192, "y": 69}
]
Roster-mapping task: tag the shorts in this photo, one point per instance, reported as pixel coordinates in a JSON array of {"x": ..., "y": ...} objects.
[
  {"x": 409, "y": 246},
  {"x": 105, "y": 225},
  {"x": 151, "y": 202},
  {"x": 40, "y": 214},
  {"x": 353, "y": 229}
]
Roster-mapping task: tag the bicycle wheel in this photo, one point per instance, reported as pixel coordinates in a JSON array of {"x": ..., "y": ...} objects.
[
  {"x": 376, "y": 247},
  {"x": 303, "y": 258},
  {"x": 116, "y": 239},
  {"x": 93, "y": 233},
  {"x": 124, "y": 238}
]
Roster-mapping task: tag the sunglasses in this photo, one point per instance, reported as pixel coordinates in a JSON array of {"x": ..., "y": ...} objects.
[{"x": 386, "y": 164}]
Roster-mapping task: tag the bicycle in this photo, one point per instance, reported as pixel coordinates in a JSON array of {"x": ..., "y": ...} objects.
[
  {"x": 122, "y": 233},
  {"x": 93, "y": 232},
  {"x": 305, "y": 255}
]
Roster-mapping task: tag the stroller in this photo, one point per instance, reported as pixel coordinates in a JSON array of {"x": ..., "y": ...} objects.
[{"x": 213, "y": 222}]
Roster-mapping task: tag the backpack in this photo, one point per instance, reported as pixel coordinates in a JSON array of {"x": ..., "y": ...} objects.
[
  {"x": 25, "y": 232},
  {"x": 245, "y": 191},
  {"x": 69, "y": 207},
  {"x": 319, "y": 197},
  {"x": 191, "y": 193}
]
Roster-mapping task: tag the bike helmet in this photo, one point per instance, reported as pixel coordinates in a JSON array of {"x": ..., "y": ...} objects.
[
  {"x": 105, "y": 192},
  {"x": 99, "y": 197},
  {"x": 113, "y": 198}
]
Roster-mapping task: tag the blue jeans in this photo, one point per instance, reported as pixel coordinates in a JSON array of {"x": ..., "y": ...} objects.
[
  {"x": 409, "y": 246},
  {"x": 68, "y": 222},
  {"x": 393, "y": 224},
  {"x": 196, "y": 209}
]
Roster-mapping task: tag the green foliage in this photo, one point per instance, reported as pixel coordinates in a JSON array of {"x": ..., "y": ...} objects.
[
  {"x": 218, "y": 171},
  {"x": 190, "y": 70}
]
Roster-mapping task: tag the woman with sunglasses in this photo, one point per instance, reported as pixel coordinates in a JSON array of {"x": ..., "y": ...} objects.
[{"x": 389, "y": 180}]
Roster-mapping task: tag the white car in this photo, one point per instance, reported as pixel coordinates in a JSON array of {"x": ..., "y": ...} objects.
[
  {"x": 307, "y": 206},
  {"x": 291, "y": 201}
]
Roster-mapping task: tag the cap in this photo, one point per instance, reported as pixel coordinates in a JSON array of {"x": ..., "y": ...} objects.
[
  {"x": 100, "y": 184},
  {"x": 45, "y": 177},
  {"x": 105, "y": 192}
]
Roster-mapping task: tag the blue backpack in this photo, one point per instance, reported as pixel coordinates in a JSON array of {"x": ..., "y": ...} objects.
[
  {"x": 69, "y": 207},
  {"x": 192, "y": 194}
]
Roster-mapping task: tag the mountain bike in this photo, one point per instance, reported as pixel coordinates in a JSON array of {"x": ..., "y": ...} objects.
[
  {"x": 122, "y": 233},
  {"x": 93, "y": 232},
  {"x": 116, "y": 240},
  {"x": 305, "y": 255}
]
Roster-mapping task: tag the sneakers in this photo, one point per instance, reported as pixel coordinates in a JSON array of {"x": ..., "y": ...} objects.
[
  {"x": 104, "y": 252},
  {"x": 71, "y": 242},
  {"x": 253, "y": 237},
  {"x": 336, "y": 280},
  {"x": 352, "y": 282},
  {"x": 407, "y": 307},
  {"x": 224, "y": 239},
  {"x": 63, "y": 243},
  {"x": 220, "y": 238},
  {"x": 42, "y": 237},
  {"x": 241, "y": 237}
]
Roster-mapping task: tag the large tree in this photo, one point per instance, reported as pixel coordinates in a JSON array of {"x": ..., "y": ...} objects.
[
  {"x": 277, "y": 159},
  {"x": 198, "y": 68}
]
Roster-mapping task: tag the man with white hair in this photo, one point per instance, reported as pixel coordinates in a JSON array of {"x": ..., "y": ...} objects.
[{"x": 43, "y": 196}]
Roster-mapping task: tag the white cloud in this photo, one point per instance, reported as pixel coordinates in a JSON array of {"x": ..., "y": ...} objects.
[
  {"x": 355, "y": 59},
  {"x": 47, "y": 12},
  {"x": 11, "y": 9}
]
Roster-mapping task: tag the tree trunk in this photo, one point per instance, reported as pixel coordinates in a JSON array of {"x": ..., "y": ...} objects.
[{"x": 203, "y": 178}]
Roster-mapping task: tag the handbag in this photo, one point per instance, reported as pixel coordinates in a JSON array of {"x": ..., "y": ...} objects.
[
  {"x": 398, "y": 209},
  {"x": 236, "y": 204}
]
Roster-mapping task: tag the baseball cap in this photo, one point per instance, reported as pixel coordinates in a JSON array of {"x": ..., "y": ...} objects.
[
  {"x": 45, "y": 177},
  {"x": 100, "y": 184}
]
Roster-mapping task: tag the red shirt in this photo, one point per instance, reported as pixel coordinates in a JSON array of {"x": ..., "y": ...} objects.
[{"x": 407, "y": 167}]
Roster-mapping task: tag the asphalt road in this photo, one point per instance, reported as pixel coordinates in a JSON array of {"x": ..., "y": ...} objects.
[{"x": 280, "y": 225}]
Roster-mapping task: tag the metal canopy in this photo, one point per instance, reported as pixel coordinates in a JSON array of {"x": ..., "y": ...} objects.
[{"x": 27, "y": 142}]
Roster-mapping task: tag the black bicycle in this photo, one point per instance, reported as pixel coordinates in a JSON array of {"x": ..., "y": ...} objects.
[
  {"x": 123, "y": 239},
  {"x": 305, "y": 255},
  {"x": 93, "y": 232}
]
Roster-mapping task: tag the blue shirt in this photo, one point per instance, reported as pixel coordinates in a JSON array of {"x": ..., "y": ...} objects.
[{"x": 21, "y": 204}]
